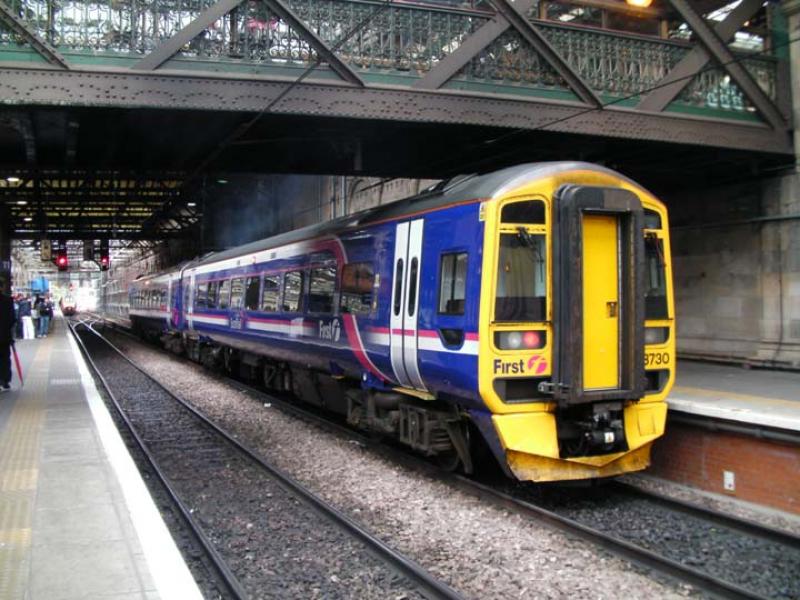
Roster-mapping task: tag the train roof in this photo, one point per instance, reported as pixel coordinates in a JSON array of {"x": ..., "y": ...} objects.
[{"x": 458, "y": 189}]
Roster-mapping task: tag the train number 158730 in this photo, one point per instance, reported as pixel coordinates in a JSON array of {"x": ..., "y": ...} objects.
[{"x": 652, "y": 359}]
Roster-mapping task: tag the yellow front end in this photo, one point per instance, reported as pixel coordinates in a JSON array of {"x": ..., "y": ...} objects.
[{"x": 516, "y": 330}]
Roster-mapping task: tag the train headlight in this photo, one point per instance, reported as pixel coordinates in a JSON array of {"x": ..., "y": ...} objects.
[
  {"x": 520, "y": 340},
  {"x": 656, "y": 335}
]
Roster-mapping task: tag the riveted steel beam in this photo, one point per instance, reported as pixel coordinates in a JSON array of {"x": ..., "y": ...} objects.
[
  {"x": 520, "y": 22},
  {"x": 18, "y": 26},
  {"x": 720, "y": 52},
  {"x": 318, "y": 98},
  {"x": 469, "y": 49},
  {"x": 695, "y": 61}
]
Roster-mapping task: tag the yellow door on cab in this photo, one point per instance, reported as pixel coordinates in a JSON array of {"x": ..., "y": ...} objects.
[{"x": 600, "y": 302}]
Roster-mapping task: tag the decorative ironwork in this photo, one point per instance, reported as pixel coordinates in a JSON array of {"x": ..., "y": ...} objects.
[
  {"x": 510, "y": 59},
  {"x": 403, "y": 40},
  {"x": 613, "y": 64}
]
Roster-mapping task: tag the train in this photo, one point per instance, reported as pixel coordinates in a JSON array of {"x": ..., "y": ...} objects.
[
  {"x": 525, "y": 314},
  {"x": 68, "y": 305}
]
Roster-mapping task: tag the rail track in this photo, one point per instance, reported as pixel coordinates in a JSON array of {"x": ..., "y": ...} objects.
[
  {"x": 759, "y": 561},
  {"x": 183, "y": 446}
]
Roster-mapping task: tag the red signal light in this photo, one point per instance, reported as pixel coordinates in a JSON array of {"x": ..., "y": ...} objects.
[
  {"x": 105, "y": 261},
  {"x": 61, "y": 261}
]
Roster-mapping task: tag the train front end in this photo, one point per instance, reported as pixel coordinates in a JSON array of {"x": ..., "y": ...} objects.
[{"x": 577, "y": 333}]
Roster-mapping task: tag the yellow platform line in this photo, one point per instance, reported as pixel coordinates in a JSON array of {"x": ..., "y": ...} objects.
[
  {"x": 722, "y": 395},
  {"x": 20, "y": 448}
]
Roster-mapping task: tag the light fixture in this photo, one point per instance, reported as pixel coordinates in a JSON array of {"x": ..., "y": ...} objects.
[
  {"x": 222, "y": 181},
  {"x": 191, "y": 204},
  {"x": 13, "y": 179},
  {"x": 639, "y": 3},
  {"x": 28, "y": 219},
  {"x": 21, "y": 202}
]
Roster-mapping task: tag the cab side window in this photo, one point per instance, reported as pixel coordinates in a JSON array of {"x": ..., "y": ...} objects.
[{"x": 452, "y": 283}]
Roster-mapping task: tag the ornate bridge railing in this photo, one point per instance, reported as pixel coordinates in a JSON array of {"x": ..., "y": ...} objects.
[{"x": 395, "y": 43}]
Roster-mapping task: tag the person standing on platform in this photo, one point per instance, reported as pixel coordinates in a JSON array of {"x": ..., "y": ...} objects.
[
  {"x": 45, "y": 312},
  {"x": 36, "y": 313},
  {"x": 7, "y": 321}
]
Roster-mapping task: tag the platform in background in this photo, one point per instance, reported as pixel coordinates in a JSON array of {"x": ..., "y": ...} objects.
[
  {"x": 71, "y": 516},
  {"x": 753, "y": 396},
  {"x": 734, "y": 431}
]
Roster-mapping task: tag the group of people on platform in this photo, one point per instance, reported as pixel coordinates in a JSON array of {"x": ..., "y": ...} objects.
[
  {"x": 20, "y": 318},
  {"x": 40, "y": 316}
]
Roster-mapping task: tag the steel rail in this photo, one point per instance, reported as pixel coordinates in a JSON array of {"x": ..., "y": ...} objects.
[
  {"x": 629, "y": 551},
  {"x": 428, "y": 585},
  {"x": 740, "y": 524},
  {"x": 225, "y": 574}
]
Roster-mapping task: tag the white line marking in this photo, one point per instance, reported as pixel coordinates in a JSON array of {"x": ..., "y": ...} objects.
[{"x": 170, "y": 573}]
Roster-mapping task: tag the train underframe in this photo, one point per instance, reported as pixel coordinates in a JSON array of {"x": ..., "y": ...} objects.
[{"x": 435, "y": 429}]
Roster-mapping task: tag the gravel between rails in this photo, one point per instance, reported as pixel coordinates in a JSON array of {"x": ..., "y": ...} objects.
[
  {"x": 276, "y": 546},
  {"x": 765, "y": 568},
  {"x": 738, "y": 508},
  {"x": 480, "y": 550}
]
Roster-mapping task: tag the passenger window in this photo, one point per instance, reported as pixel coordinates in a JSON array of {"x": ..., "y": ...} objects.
[
  {"x": 453, "y": 283},
  {"x": 251, "y": 293},
  {"x": 357, "y": 282},
  {"x": 412, "y": 287},
  {"x": 201, "y": 295},
  {"x": 292, "y": 291},
  {"x": 270, "y": 294},
  {"x": 213, "y": 293},
  {"x": 322, "y": 286},
  {"x": 530, "y": 212},
  {"x": 521, "y": 277},
  {"x": 224, "y": 294},
  {"x": 237, "y": 293},
  {"x": 656, "y": 294},
  {"x": 398, "y": 287}
]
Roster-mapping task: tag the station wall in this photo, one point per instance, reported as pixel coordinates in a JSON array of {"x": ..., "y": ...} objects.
[{"x": 736, "y": 252}]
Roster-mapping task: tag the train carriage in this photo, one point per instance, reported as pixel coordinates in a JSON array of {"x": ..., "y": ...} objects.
[{"x": 529, "y": 308}]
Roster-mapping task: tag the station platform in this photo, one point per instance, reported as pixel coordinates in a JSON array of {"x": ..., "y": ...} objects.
[
  {"x": 76, "y": 520},
  {"x": 751, "y": 396},
  {"x": 734, "y": 431}
]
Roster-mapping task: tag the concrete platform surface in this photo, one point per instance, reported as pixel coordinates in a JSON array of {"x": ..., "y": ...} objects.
[
  {"x": 754, "y": 396},
  {"x": 76, "y": 520}
]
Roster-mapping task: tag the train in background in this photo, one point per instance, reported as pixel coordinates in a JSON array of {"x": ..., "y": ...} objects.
[{"x": 528, "y": 311}]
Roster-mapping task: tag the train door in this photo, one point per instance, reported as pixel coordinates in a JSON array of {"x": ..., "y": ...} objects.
[
  {"x": 405, "y": 303},
  {"x": 601, "y": 282},
  {"x": 236, "y": 307},
  {"x": 599, "y": 295}
]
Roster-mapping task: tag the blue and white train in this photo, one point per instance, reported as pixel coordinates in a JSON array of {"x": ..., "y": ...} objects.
[{"x": 528, "y": 310}]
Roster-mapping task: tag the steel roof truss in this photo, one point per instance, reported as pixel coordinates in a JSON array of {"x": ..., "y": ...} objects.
[
  {"x": 19, "y": 27},
  {"x": 218, "y": 10},
  {"x": 722, "y": 54},
  {"x": 512, "y": 13},
  {"x": 695, "y": 61}
]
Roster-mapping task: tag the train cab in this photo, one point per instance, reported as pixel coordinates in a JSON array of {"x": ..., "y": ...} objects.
[{"x": 577, "y": 332}]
